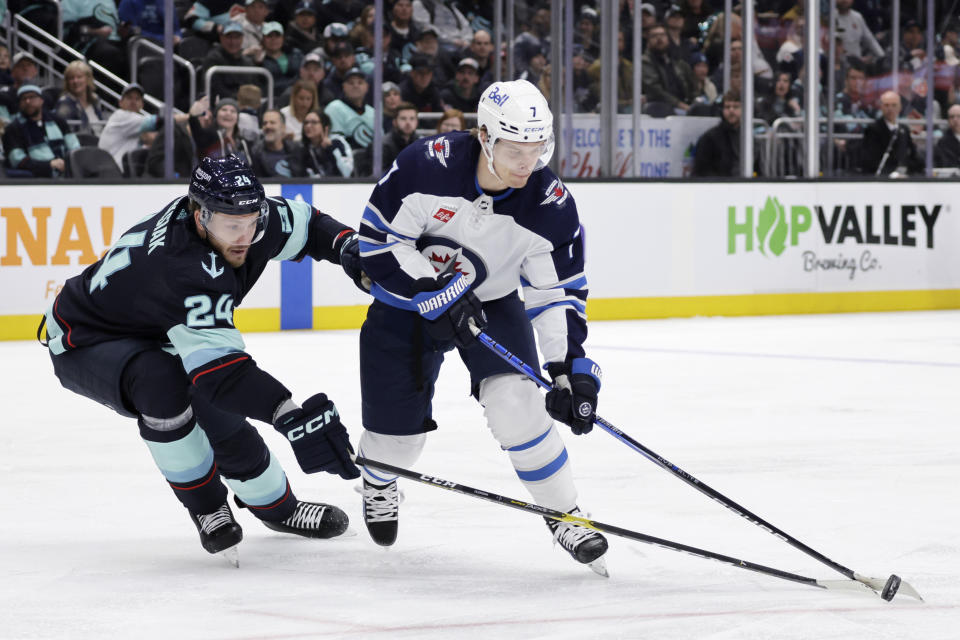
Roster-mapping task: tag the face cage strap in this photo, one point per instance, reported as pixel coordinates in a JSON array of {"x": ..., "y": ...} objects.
[{"x": 206, "y": 215}]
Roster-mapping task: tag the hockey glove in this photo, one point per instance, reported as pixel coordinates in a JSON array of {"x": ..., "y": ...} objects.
[
  {"x": 350, "y": 262},
  {"x": 318, "y": 438},
  {"x": 573, "y": 398},
  {"x": 448, "y": 305}
]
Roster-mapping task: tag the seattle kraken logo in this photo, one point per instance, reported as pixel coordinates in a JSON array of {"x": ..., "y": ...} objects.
[{"x": 213, "y": 270}]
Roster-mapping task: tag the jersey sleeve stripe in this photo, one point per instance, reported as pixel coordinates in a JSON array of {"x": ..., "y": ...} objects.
[
  {"x": 372, "y": 248},
  {"x": 372, "y": 218},
  {"x": 576, "y": 304}
]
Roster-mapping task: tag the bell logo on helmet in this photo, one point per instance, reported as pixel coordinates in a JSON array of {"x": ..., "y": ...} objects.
[{"x": 496, "y": 97}]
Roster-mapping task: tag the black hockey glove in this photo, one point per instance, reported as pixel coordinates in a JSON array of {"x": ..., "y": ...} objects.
[
  {"x": 318, "y": 438},
  {"x": 448, "y": 306},
  {"x": 573, "y": 398},
  {"x": 350, "y": 262}
]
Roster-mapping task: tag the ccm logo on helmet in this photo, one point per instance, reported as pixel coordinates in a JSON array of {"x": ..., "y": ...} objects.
[
  {"x": 243, "y": 202},
  {"x": 314, "y": 425}
]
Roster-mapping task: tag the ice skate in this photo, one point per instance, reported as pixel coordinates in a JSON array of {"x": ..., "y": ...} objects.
[
  {"x": 313, "y": 520},
  {"x": 219, "y": 533},
  {"x": 381, "y": 511},
  {"x": 585, "y": 545}
]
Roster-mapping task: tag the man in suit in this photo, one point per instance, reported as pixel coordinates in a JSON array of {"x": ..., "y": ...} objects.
[
  {"x": 887, "y": 142},
  {"x": 947, "y": 151}
]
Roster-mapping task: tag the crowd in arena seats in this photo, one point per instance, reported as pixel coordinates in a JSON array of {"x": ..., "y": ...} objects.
[{"x": 438, "y": 58}]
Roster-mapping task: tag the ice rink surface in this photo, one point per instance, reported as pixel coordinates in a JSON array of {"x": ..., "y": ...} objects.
[{"x": 841, "y": 430}]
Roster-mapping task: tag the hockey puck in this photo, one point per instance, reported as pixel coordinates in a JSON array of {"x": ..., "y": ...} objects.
[{"x": 890, "y": 589}]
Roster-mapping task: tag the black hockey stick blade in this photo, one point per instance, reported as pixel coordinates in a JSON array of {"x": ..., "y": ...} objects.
[{"x": 433, "y": 481}]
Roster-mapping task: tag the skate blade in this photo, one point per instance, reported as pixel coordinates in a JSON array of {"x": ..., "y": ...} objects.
[
  {"x": 232, "y": 555},
  {"x": 599, "y": 567}
]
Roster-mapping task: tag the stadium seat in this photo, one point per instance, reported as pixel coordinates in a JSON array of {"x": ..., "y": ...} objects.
[
  {"x": 92, "y": 162},
  {"x": 192, "y": 47},
  {"x": 135, "y": 163},
  {"x": 87, "y": 139}
]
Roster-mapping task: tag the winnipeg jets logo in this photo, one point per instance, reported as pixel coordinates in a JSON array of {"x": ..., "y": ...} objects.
[
  {"x": 439, "y": 149},
  {"x": 213, "y": 269},
  {"x": 556, "y": 192},
  {"x": 441, "y": 262}
]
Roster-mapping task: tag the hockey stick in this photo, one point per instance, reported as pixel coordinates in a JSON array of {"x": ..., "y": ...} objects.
[
  {"x": 433, "y": 481},
  {"x": 886, "y": 588}
]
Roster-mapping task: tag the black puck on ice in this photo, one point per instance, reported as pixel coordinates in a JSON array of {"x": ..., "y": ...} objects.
[{"x": 890, "y": 589}]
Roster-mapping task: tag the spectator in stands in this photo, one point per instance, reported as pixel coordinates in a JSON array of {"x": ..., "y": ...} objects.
[
  {"x": 584, "y": 98},
  {"x": 463, "y": 92},
  {"x": 312, "y": 70},
  {"x": 736, "y": 62},
  {"x": 403, "y": 31},
  {"x": 452, "y": 120},
  {"x": 79, "y": 102},
  {"x": 324, "y": 153},
  {"x": 780, "y": 103},
  {"x": 5, "y": 78},
  {"x": 145, "y": 18},
  {"x": 228, "y": 53},
  {"x": 275, "y": 155},
  {"x": 183, "y": 153},
  {"x": 536, "y": 37},
  {"x": 858, "y": 40},
  {"x": 624, "y": 76},
  {"x": 678, "y": 47},
  {"x": 24, "y": 71},
  {"x": 249, "y": 103},
  {"x": 665, "y": 80},
  {"x": 343, "y": 61},
  {"x": 452, "y": 27},
  {"x": 535, "y": 67},
  {"x": 252, "y": 19},
  {"x": 718, "y": 150},
  {"x": 303, "y": 100},
  {"x": 950, "y": 42},
  {"x": 713, "y": 47},
  {"x": 427, "y": 44},
  {"x": 404, "y": 132},
  {"x": 418, "y": 88},
  {"x": 335, "y": 34},
  {"x": 887, "y": 145},
  {"x": 282, "y": 62},
  {"x": 851, "y": 102},
  {"x": 704, "y": 90},
  {"x": 586, "y": 34},
  {"x": 37, "y": 142},
  {"x": 128, "y": 128},
  {"x": 302, "y": 31},
  {"x": 92, "y": 28},
  {"x": 352, "y": 116},
  {"x": 913, "y": 51},
  {"x": 481, "y": 50},
  {"x": 391, "y": 100},
  {"x": 947, "y": 151},
  {"x": 694, "y": 13},
  {"x": 217, "y": 135},
  {"x": 361, "y": 36},
  {"x": 209, "y": 18}
]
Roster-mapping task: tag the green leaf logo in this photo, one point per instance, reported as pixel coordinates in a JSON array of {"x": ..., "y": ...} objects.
[{"x": 772, "y": 227}]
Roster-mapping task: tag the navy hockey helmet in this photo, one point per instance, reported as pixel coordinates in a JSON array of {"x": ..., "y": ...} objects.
[{"x": 228, "y": 186}]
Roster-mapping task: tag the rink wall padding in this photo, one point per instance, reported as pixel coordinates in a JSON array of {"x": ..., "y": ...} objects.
[{"x": 654, "y": 249}]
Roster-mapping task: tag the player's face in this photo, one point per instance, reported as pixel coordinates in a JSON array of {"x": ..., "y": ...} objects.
[
  {"x": 232, "y": 235},
  {"x": 515, "y": 161}
]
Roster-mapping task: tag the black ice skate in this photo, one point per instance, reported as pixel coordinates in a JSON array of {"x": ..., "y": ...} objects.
[
  {"x": 381, "y": 511},
  {"x": 313, "y": 520},
  {"x": 584, "y": 545},
  {"x": 219, "y": 532}
]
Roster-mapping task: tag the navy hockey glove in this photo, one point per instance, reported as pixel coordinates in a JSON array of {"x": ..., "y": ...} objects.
[
  {"x": 448, "y": 305},
  {"x": 350, "y": 262},
  {"x": 318, "y": 438},
  {"x": 573, "y": 398}
]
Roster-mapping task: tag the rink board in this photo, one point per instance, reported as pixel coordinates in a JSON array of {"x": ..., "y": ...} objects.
[{"x": 654, "y": 250}]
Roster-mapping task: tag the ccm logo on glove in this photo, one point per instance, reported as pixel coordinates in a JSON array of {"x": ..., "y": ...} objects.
[{"x": 314, "y": 425}]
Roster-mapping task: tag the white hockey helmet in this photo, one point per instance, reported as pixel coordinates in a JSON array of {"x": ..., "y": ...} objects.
[{"x": 518, "y": 112}]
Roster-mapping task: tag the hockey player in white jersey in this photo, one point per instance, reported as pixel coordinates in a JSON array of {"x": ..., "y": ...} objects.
[{"x": 457, "y": 226}]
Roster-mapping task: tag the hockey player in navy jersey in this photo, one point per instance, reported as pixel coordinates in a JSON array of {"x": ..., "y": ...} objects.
[
  {"x": 457, "y": 226},
  {"x": 148, "y": 331}
]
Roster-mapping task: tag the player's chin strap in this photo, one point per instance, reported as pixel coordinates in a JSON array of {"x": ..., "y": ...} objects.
[
  {"x": 489, "y": 157},
  {"x": 887, "y": 589}
]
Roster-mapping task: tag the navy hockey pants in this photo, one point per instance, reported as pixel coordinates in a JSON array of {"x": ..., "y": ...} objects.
[{"x": 400, "y": 362}]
